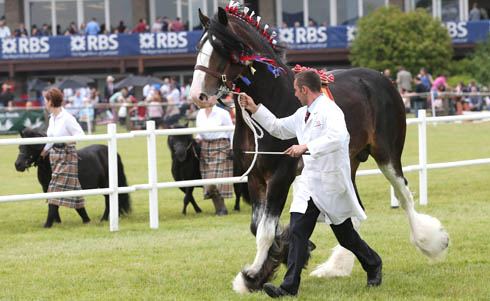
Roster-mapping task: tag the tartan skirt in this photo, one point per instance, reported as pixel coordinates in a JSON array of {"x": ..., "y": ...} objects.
[
  {"x": 64, "y": 177},
  {"x": 215, "y": 163}
]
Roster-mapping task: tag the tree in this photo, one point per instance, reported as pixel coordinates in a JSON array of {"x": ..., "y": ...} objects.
[{"x": 388, "y": 38}]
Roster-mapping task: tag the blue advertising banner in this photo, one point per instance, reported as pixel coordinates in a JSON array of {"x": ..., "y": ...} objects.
[{"x": 184, "y": 42}]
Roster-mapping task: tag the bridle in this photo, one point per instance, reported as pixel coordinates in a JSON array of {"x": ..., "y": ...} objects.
[{"x": 227, "y": 83}]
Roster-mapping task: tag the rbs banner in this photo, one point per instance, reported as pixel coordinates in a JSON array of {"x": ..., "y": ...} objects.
[{"x": 297, "y": 38}]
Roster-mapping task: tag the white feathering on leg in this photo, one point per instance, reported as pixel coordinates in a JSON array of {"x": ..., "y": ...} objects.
[
  {"x": 339, "y": 264},
  {"x": 239, "y": 284},
  {"x": 430, "y": 238}
]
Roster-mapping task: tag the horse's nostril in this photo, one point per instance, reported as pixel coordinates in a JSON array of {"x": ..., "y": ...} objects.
[{"x": 203, "y": 96}]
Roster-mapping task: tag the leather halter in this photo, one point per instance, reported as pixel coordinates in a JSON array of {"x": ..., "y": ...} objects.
[{"x": 225, "y": 81}]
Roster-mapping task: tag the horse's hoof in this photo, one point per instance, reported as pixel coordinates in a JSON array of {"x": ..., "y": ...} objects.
[
  {"x": 239, "y": 284},
  {"x": 87, "y": 221},
  {"x": 236, "y": 209},
  {"x": 184, "y": 213},
  {"x": 221, "y": 212},
  {"x": 57, "y": 221},
  {"x": 46, "y": 225}
]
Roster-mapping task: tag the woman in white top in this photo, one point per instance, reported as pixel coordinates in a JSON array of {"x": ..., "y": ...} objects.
[
  {"x": 63, "y": 158},
  {"x": 215, "y": 160}
]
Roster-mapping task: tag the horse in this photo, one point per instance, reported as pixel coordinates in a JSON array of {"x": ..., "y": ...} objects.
[
  {"x": 238, "y": 53},
  {"x": 93, "y": 171},
  {"x": 185, "y": 153}
]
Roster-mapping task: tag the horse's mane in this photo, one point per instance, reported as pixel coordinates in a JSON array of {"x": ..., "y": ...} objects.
[
  {"x": 32, "y": 132},
  {"x": 232, "y": 44}
]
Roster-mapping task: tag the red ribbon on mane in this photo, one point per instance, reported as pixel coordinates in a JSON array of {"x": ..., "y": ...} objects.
[{"x": 324, "y": 77}]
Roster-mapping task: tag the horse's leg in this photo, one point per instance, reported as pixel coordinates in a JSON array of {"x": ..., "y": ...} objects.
[
  {"x": 341, "y": 261},
  {"x": 83, "y": 214},
  {"x": 237, "y": 188},
  {"x": 271, "y": 244},
  {"x": 52, "y": 212},
  {"x": 426, "y": 232},
  {"x": 57, "y": 218},
  {"x": 105, "y": 216},
  {"x": 192, "y": 200}
]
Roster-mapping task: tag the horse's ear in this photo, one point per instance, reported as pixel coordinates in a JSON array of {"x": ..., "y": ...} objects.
[
  {"x": 223, "y": 19},
  {"x": 22, "y": 133},
  {"x": 204, "y": 19}
]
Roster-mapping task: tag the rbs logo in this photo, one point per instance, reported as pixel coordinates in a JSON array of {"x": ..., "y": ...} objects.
[
  {"x": 457, "y": 30},
  {"x": 299, "y": 35},
  {"x": 25, "y": 45},
  {"x": 94, "y": 43}
]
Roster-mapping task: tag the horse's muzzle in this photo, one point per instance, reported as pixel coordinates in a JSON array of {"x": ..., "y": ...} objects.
[{"x": 20, "y": 165}]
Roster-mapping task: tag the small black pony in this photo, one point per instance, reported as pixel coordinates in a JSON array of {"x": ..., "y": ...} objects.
[
  {"x": 185, "y": 152},
  {"x": 93, "y": 169}
]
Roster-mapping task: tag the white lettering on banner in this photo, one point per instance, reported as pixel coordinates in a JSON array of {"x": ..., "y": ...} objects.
[
  {"x": 286, "y": 35},
  {"x": 300, "y": 35},
  {"x": 303, "y": 35},
  {"x": 163, "y": 40},
  {"x": 105, "y": 43},
  {"x": 457, "y": 29},
  {"x": 351, "y": 33},
  {"x": 31, "y": 45}
]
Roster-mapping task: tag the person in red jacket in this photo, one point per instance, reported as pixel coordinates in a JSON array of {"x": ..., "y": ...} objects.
[{"x": 141, "y": 27}]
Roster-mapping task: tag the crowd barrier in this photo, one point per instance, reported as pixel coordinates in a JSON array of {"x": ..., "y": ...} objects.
[{"x": 152, "y": 186}]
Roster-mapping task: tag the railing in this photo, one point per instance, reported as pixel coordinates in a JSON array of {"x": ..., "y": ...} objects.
[{"x": 113, "y": 190}]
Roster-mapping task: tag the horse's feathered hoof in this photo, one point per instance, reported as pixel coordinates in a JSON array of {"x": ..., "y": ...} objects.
[{"x": 430, "y": 238}]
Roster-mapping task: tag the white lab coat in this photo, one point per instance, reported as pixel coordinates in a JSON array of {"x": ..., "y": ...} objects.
[{"x": 326, "y": 173}]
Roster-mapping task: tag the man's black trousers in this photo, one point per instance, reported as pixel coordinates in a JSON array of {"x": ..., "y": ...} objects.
[{"x": 301, "y": 228}]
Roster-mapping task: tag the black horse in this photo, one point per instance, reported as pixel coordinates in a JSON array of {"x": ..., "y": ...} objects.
[
  {"x": 235, "y": 51},
  {"x": 93, "y": 169},
  {"x": 185, "y": 152}
]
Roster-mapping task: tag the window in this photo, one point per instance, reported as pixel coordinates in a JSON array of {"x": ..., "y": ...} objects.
[
  {"x": 427, "y": 4},
  {"x": 292, "y": 12},
  {"x": 66, "y": 12},
  {"x": 347, "y": 12},
  {"x": 39, "y": 14},
  {"x": 94, "y": 9},
  {"x": 371, "y": 5},
  {"x": 449, "y": 10},
  {"x": 120, "y": 10},
  {"x": 2, "y": 9},
  {"x": 166, "y": 8},
  {"x": 319, "y": 12}
]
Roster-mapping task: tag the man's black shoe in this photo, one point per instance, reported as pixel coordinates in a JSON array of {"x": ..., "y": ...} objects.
[
  {"x": 276, "y": 292},
  {"x": 374, "y": 278}
]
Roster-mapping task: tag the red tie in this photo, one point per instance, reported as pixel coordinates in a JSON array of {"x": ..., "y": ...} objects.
[{"x": 307, "y": 115}]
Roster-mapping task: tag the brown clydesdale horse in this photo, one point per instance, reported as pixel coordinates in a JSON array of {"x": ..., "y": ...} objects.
[{"x": 235, "y": 52}]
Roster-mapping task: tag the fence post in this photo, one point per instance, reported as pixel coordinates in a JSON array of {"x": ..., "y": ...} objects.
[
  {"x": 422, "y": 157},
  {"x": 152, "y": 174},
  {"x": 113, "y": 181}
]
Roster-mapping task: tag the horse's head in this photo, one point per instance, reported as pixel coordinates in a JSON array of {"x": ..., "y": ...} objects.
[
  {"x": 180, "y": 145},
  {"x": 29, "y": 154},
  {"x": 233, "y": 40}
]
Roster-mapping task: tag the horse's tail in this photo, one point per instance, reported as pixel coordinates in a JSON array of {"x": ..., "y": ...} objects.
[{"x": 124, "y": 200}]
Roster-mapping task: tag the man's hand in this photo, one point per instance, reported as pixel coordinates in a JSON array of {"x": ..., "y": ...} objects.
[
  {"x": 248, "y": 103},
  {"x": 296, "y": 150}
]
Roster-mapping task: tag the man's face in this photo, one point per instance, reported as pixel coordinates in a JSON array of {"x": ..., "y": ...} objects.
[{"x": 300, "y": 92}]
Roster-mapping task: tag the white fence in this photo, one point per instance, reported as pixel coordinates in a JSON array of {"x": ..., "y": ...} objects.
[{"x": 113, "y": 190}]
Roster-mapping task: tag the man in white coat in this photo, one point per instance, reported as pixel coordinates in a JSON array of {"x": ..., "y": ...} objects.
[{"x": 326, "y": 186}]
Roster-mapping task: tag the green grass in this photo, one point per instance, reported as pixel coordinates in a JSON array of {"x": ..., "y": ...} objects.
[{"x": 195, "y": 257}]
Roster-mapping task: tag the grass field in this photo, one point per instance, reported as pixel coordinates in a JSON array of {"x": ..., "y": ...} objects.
[{"x": 195, "y": 257}]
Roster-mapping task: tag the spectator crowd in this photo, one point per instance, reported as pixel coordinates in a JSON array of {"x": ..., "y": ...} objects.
[{"x": 92, "y": 27}]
